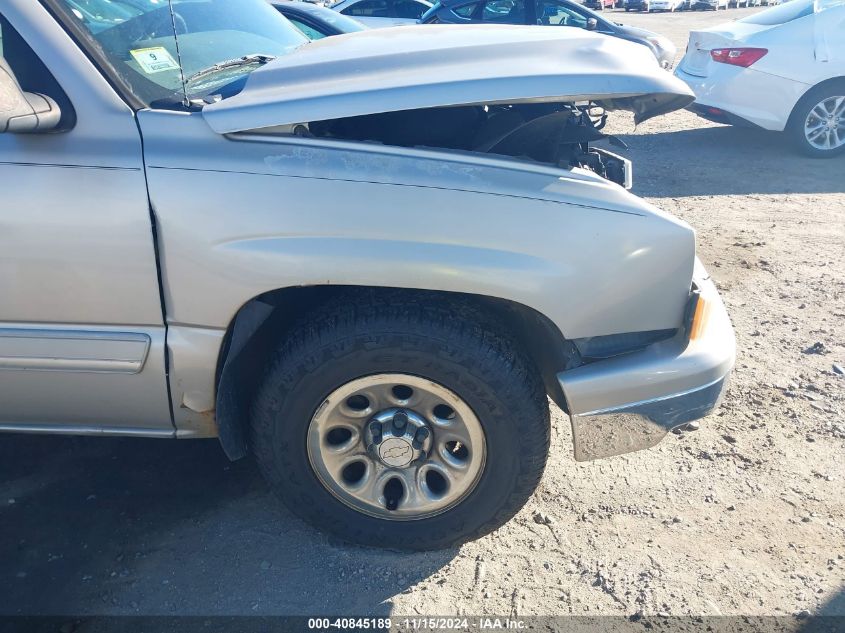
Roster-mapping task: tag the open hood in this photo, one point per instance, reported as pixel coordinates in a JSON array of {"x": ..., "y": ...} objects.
[{"x": 427, "y": 66}]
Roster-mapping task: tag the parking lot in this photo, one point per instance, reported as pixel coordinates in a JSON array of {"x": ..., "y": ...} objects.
[{"x": 744, "y": 516}]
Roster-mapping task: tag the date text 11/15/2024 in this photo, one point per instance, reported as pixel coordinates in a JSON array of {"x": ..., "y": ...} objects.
[{"x": 417, "y": 624}]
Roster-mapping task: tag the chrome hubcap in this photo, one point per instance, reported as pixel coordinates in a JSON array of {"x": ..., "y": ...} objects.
[
  {"x": 825, "y": 125},
  {"x": 396, "y": 446}
]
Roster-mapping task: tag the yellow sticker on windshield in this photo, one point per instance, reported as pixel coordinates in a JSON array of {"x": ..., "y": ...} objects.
[{"x": 154, "y": 60}]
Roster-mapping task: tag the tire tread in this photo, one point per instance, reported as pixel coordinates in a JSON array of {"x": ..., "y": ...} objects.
[{"x": 456, "y": 329}]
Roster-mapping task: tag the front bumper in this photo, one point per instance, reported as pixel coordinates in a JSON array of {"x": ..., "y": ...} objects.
[{"x": 631, "y": 402}]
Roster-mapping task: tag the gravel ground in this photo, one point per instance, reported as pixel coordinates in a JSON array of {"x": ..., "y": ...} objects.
[{"x": 744, "y": 516}]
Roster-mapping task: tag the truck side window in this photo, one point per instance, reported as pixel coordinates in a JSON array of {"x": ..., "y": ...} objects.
[
  {"x": 556, "y": 13},
  {"x": 409, "y": 9},
  {"x": 504, "y": 11},
  {"x": 466, "y": 10},
  {"x": 309, "y": 31},
  {"x": 368, "y": 9},
  {"x": 31, "y": 73}
]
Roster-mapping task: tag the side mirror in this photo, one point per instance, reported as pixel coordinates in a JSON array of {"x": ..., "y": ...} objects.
[
  {"x": 592, "y": 24},
  {"x": 24, "y": 112}
]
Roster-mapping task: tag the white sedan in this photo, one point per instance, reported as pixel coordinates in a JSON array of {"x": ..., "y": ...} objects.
[
  {"x": 666, "y": 5},
  {"x": 382, "y": 13},
  {"x": 782, "y": 69}
]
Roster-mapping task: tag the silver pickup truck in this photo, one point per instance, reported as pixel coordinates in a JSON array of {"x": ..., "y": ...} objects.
[{"x": 368, "y": 261}]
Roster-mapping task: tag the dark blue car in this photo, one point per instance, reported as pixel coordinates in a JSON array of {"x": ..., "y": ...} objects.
[
  {"x": 546, "y": 13},
  {"x": 316, "y": 21}
]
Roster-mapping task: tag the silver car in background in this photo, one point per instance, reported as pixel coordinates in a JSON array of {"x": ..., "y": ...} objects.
[
  {"x": 366, "y": 260},
  {"x": 383, "y": 13}
]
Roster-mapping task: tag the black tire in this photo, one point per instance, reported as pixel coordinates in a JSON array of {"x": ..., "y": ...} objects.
[
  {"x": 383, "y": 332},
  {"x": 795, "y": 126}
]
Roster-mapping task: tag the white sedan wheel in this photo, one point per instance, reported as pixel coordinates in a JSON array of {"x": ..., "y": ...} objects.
[{"x": 824, "y": 127}]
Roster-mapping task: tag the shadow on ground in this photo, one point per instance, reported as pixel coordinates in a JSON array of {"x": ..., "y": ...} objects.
[
  {"x": 157, "y": 527},
  {"x": 830, "y": 618},
  {"x": 835, "y": 607},
  {"x": 705, "y": 161}
]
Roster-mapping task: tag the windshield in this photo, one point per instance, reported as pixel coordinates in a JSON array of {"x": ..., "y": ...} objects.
[{"x": 155, "y": 45}]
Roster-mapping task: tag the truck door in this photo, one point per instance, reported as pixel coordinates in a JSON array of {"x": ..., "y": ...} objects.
[{"x": 82, "y": 337}]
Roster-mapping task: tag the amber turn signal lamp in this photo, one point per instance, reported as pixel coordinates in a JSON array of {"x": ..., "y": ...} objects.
[{"x": 699, "y": 318}]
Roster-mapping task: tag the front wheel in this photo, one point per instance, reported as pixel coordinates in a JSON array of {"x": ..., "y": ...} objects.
[
  {"x": 407, "y": 425},
  {"x": 817, "y": 125}
]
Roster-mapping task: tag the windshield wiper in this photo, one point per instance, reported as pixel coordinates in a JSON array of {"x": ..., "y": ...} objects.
[{"x": 246, "y": 60}]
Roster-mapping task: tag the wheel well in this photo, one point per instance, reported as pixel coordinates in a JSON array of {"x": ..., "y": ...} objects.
[
  {"x": 264, "y": 320},
  {"x": 821, "y": 84}
]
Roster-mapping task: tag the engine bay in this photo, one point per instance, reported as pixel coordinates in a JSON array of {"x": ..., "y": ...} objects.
[{"x": 557, "y": 134}]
